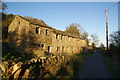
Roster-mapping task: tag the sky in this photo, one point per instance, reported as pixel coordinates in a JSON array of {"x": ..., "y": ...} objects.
[
  {"x": 59, "y": 15},
  {"x": 119, "y": 16},
  {"x": 61, "y": 0}
]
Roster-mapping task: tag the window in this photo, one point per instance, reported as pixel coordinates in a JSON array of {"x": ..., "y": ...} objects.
[
  {"x": 38, "y": 45},
  {"x": 56, "y": 36},
  {"x": 41, "y": 45},
  {"x": 61, "y": 37},
  {"x": 18, "y": 22},
  {"x": 58, "y": 49},
  {"x": 49, "y": 48},
  {"x": 63, "y": 48},
  {"x": 37, "y": 30},
  {"x": 47, "y": 32}
]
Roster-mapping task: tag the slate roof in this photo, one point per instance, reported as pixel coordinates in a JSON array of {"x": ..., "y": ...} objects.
[{"x": 43, "y": 24}]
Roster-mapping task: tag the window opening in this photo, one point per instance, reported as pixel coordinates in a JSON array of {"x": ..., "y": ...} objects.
[
  {"x": 49, "y": 48},
  {"x": 56, "y": 36},
  {"x": 47, "y": 32},
  {"x": 37, "y": 30}
]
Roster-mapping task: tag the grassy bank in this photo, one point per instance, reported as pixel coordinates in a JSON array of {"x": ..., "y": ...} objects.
[{"x": 113, "y": 65}]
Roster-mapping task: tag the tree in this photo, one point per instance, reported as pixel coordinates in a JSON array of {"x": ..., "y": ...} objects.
[
  {"x": 102, "y": 46},
  {"x": 3, "y": 6},
  {"x": 84, "y": 35},
  {"x": 73, "y": 29},
  {"x": 115, "y": 38},
  {"x": 115, "y": 43},
  {"x": 77, "y": 30},
  {"x": 6, "y": 20},
  {"x": 94, "y": 39},
  {"x": 93, "y": 45}
]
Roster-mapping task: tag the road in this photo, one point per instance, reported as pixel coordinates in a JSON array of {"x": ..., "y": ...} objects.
[{"x": 93, "y": 67}]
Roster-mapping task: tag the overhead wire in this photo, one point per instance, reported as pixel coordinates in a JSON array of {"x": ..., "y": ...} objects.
[
  {"x": 101, "y": 22},
  {"x": 104, "y": 14},
  {"x": 111, "y": 11},
  {"x": 113, "y": 6},
  {"x": 103, "y": 19}
]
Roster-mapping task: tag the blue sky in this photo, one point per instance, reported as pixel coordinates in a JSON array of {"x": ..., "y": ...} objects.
[
  {"x": 61, "y": 0},
  {"x": 90, "y": 15}
]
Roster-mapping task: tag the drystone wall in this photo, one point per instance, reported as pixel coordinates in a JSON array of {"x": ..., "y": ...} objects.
[{"x": 35, "y": 68}]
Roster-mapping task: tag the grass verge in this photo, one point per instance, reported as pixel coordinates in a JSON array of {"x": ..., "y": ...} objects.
[{"x": 113, "y": 65}]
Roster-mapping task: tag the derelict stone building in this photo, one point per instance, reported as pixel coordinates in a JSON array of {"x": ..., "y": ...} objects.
[{"x": 39, "y": 38}]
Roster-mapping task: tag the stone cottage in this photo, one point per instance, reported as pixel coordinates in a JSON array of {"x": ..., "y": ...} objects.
[{"x": 39, "y": 38}]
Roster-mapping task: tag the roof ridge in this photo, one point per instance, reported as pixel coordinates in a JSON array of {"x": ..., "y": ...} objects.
[{"x": 54, "y": 30}]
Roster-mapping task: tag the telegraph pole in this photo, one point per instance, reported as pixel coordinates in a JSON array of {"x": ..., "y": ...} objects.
[{"x": 106, "y": 11}]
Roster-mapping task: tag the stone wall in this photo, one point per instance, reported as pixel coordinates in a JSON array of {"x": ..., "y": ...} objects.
[
  {"x": 35, "y": 68},
  {"x": 42, "y": 40},
  {"x": 66, "y": 44},
  {"x": 18, "y": 33}
]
